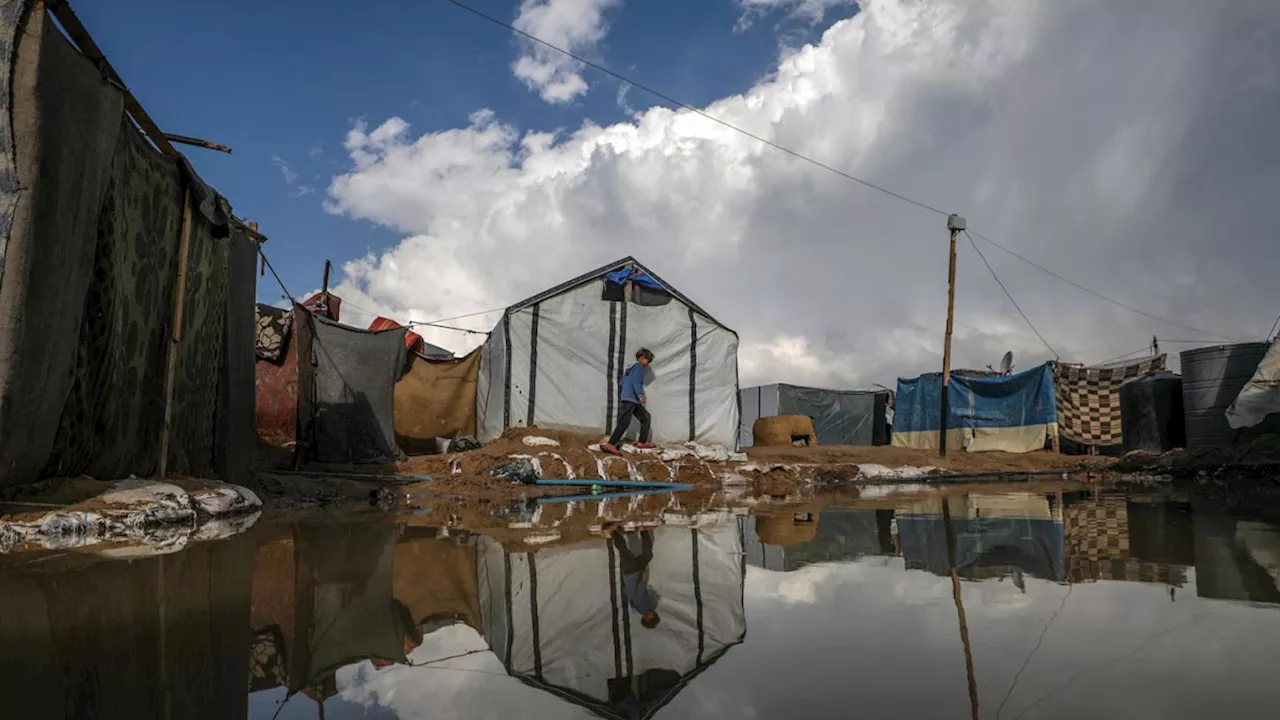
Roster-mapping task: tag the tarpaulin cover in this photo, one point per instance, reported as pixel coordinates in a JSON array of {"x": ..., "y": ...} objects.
[
  {"x": 559, "y": 619},
  {"x": 1089, "y": 399},
  {"x": 90, "y": 253},
  {"x": 840, "y": 417},
  {"x": 273, "y": 327},
  {"x": 436, "y": 398},
  {"x": 353, "y": 410},
  {"x": 412, "y": 340},
  {"x": 1260, "y": 397},
  {"x": 638, "y": 277},
  {"x": 557, "y": 363},
  {"x": 1033, "y": 546},
  {"x": 1015, "y": 413}
]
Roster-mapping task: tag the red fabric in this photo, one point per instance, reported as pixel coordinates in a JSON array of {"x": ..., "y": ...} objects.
[
  {"x": 412, "y": 340},
  {"x": 332, "y": 310}
]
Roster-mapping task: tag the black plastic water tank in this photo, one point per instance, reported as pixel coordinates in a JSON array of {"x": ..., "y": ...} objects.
[
  {"x": 1211, "y": 379},
  {"x": 1151, "y": 413}
]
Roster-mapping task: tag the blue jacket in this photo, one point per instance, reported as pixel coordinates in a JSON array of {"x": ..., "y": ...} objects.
[{"x": 632, "y": 384}]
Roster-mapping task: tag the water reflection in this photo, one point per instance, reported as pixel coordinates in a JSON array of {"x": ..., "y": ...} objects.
[{"x": 994, "y": 605}]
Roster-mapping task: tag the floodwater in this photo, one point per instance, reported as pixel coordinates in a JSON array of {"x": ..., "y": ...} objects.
[{"x": 1017, "y": 605}]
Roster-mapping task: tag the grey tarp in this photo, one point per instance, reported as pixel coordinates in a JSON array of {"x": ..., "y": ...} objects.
[
  {"x": 86, "y": 294},
  {"x": 236, "y": 441},
  {"x": 840, "y": 417},
  {"x": 353, "y": 410}
]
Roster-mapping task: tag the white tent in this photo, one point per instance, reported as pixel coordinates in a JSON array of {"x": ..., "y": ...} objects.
[
  {"x": 1260, "y": 397},
  {"x": 559, "y": 620},
  {"x": 555, "y": 360}
]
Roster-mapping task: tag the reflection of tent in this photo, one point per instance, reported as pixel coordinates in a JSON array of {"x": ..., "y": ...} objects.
[
  {"x": 1235, "y": 559},
  {"x": 436, "y": 579},
  {"x": 1012, "y": 414},
  {"x": 1032, "y": 544},
  {"x": 345, "y": 611},
  {"x": 558, "y": 620},
  {"x": 840, "y": 417},
  {"x": 840, "y": 535},
  {"x": 555, "y": 360}
]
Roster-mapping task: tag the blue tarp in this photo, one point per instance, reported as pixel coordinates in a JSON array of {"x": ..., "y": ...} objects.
[
  {"x": 1033, "y": 546},
  {"x": 981, "y": 408},
  {"x": 638, "y": 277}
]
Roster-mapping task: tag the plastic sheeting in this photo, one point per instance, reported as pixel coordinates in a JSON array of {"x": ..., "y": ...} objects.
[
  {"x": 557, "y": 364},
  {"x": 1015, "y": 413},
  {"x": 1261, "y": 395},
  {"x": 436, "y": 398},
  {"x": 558, "y": 618},
  {"x": 840, "y": 417},
  {"x": 353, "y": 417}
]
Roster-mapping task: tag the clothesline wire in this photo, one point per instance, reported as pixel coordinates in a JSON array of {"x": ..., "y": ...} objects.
[{"x": 410, "y": 323}]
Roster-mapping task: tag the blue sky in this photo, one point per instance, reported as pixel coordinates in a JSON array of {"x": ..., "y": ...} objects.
[{"x": 279, "y": 80}]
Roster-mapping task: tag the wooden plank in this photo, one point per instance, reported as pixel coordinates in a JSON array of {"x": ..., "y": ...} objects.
[
  {"x": 78, "y": 34},
  {"x": 175, "y": 336},
  {"x": 185, "y": 140}
]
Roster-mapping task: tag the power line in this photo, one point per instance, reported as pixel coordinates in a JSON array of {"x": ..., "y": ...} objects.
[
  {"x": 1145, "y": 349},
  {"x": 663, "y": 96},
  {"x": 1010, "y": 296},
  {"x": 287, "y": 295},
  {"x": 411, "y": 323},
  {"x": 1097, "y": 294},
  {"x": 1274, "y": 325}
]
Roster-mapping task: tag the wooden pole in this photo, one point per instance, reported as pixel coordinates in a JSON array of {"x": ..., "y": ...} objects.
[
  {"x": 325, "y": 284},
  {"x": 946, "y": 347},
  {"x": 958, "y": 598},
  {"x": 186, "y": 140},
  {"x": 175, "y": 336}
]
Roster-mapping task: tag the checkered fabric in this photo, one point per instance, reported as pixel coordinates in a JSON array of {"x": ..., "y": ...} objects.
[
  {"x": 1097, "y": 529},
  {"x": 1130, "y": 570},
  {"x": 1089, "y": 399}
]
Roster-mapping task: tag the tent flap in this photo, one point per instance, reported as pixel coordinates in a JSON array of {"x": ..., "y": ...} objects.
[
  {"x": 1260, "y": 397},
  {"x": 355, "y": 377}
]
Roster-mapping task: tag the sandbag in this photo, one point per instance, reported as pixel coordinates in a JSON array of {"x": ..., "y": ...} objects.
[{"x": 782, "y": 430}]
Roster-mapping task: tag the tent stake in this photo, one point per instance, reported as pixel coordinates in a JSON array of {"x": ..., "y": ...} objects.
[{"x": 175, "y": 338}]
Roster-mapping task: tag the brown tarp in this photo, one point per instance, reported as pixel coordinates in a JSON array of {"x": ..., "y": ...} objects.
[
  {"x": 436, "y": 398},
  {"x": 437, "y": 581},
  {"x": 90, "y": 260}
]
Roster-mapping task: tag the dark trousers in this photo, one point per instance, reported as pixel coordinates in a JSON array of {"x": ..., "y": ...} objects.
[
  {"x": 630, "y": 562},
  {"x": 625, "y": 413}
]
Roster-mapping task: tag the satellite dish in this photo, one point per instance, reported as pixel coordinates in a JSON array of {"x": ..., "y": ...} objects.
[{"x": 1006, "y": 363}]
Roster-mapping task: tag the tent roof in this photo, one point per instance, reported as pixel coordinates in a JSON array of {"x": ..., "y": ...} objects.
[{"x": 600, "y": 273}]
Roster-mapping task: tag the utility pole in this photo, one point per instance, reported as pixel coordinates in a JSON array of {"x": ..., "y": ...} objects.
[
  {"x": 955, "y": 224},
  {"x": 325, "y": 289}
]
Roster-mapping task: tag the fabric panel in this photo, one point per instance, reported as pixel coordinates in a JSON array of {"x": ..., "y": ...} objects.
[
  {"x": 489, "y": 385},
  {"x": 839, "y": 417},
  {"x": 1089, "y": 399},
  {"x": 436, "y": 398},
  {"x": 355, "y": 377},
  {"x": 436, "y": 579},
  {"x": 1023, "y": 400},
  {"x": 273, "y": 326},
  {"x": 717, "y": 413},
  {"x": 65, "y": 126},
  {"x": 234, "y": 446}
]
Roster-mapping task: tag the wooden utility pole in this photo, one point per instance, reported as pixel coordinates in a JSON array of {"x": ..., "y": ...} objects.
[
  {"x": 955, "y": 224},
  {"x": 957, "y": 596},
  {"x": 325, "y": 290}
]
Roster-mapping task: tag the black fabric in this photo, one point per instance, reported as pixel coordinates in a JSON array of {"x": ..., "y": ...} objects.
[
  {"x": 629, "y": 561},
  {"x": 506, "y": 372},
  {"x": 615, "y": 589},
  {"x": 693, "y": 375},
  {"x": 533, "y": 364},
  {"x": 621, "y": 365},
  {"x": 625, "y": 413},
  {"x": 697, "y": 598},
  {"x": 649, "y": 297},
  {"x": 235, "y": 445},
  {"x": 533, "y": 615},
  {"x": 613, "y": 292},
  {"x": 355, "y": 377},
  {"x": 611, "y": 385},
  {"x": 511, "y": 631}
]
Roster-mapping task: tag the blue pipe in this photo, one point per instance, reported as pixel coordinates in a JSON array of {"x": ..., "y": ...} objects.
[
  {"x": 603, "y": 496},
  {"x": 638, "y": 484}
]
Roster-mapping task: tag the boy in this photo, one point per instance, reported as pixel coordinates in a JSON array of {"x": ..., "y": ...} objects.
[
  {"x": 633, "y": 402},
  {"x": 635, "y": 572}
]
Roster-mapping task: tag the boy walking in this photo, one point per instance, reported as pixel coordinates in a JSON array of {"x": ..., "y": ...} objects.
[{"x": 633, "y": 404}]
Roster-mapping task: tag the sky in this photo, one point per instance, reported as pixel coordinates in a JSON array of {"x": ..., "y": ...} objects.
[{"x": 446, "y": 166}]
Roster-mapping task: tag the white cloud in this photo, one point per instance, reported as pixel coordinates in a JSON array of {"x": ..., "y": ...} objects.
[
  {"x": 574, "y": 25},
  {"x": 811, "y": 11},
  {"x": 1128, "y": 147},
  {"x": 290, "y": 177}
]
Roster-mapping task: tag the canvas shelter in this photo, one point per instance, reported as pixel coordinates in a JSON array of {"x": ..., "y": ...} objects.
[
  {"x": 1014, "y": 413},
  {"x": 558, "y": 619},
  {"x": 1000, "y": 533},
  {"x": 840, "y": 417},
  {"x": 556, "y": 359},
  {"x": 92, "y": 236}
]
